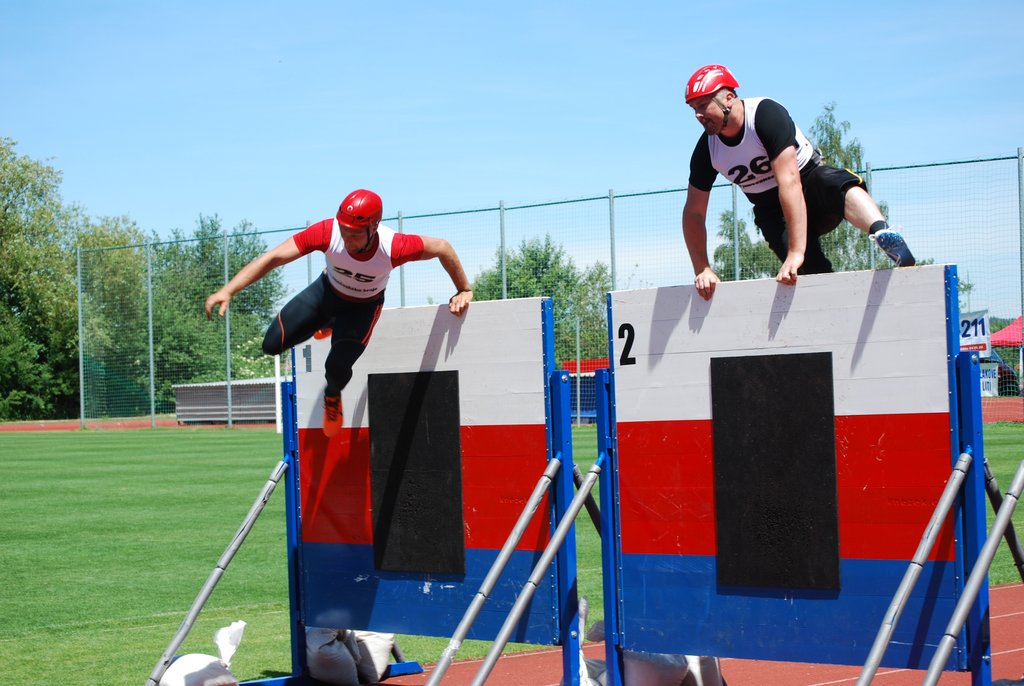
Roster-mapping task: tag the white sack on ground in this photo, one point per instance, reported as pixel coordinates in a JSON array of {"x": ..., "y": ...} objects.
[
  {"x": 374, "y": 655},
  {"x": 330, "y": 657},
  {"x": 659, "y": 669},
  {"x": 198, "y": 669}
]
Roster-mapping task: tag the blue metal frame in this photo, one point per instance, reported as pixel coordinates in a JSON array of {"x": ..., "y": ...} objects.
[
  {"x": 290, "y": 431},
  {"x": 290, "y": 437},
  {"x": 610, "y": 531},
  {"x": 972, "y": 649},
  {"x": 564, "y": 608},
  {"x": 563, "y": 491},
  {"x": 976, "y": 636}
]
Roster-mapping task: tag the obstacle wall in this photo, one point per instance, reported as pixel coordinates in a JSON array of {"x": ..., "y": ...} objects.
[
  {"x": 445, "y": 434},
  {"x": 779, "y": 452}
]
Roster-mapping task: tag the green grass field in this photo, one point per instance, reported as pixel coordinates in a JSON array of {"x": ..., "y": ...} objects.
[{"x": 107, "y": 537}]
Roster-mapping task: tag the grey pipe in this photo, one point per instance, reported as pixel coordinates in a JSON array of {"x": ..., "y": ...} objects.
[
  {"x": 975, "y": 580},
  {"x": 899, "y": 601},
  {"x": 526, "y": 595},
  {"x": 489, "y": 582}
]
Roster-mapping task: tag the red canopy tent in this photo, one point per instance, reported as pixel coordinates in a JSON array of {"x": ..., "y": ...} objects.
[{"x": 1009, "y": 336}]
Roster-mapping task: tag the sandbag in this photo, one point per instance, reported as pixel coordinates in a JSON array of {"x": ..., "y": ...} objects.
[
  {"x": 374, "y": 655},
  {"x": 657, "y": 669},
  {"x": 199, "y": 669},
  {"x": 330, "y": 657}
]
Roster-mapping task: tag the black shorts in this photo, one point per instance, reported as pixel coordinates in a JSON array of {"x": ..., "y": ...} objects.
[{"x": 825, "y": 196}]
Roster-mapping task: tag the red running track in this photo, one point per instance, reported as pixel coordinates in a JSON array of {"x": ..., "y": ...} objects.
[{"x": 543, "y": 667}]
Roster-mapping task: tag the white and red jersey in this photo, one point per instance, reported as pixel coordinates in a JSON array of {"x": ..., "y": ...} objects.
[{"x": 361, "y": 276}]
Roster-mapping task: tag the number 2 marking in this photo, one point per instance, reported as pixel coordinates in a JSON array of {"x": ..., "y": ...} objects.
[{"x": 626, "y": 331}]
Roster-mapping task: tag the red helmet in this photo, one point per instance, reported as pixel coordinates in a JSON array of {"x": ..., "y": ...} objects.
[
  {"x": 361, "y": 209},
  {"x": 708, "y": 80}
]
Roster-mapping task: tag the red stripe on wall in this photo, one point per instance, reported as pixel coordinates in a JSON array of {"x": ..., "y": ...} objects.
[
  {"x": 890, "y": 471},
  {"x": 500, "y": 467}
]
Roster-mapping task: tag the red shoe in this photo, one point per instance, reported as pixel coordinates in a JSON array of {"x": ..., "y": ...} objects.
[{"x": 332, "y": 415}]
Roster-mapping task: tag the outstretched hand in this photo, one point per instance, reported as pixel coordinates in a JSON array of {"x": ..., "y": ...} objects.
[
  {"x": 219, "y": 298},
  {"x": 459, "y": 302}
]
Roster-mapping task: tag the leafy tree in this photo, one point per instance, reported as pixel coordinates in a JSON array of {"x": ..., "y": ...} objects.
[
  {"x": 38, "y": 357},
  {"x": 187, "y": 347},
  {"x": 542, "y": 268},
  {"x": 847, "y": 247}
]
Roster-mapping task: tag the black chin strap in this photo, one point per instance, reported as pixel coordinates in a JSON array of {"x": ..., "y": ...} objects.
[
  {"x": 369, "y": 242},
  {"x": 725, "y": 113}
]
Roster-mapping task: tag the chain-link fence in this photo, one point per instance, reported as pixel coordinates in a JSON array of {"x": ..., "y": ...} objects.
[{"x": 146, "y": 346}]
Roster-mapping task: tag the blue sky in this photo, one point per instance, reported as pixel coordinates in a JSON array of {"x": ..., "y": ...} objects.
[{"x": 270, "y": 111}]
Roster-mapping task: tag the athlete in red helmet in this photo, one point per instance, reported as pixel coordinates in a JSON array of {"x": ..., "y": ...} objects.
[
  {"x": 349, "y": 294},
  {"x": 754, "y": 143}
]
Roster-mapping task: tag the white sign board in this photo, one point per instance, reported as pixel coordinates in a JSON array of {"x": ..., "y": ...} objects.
[{"x": 974, "y": 333}]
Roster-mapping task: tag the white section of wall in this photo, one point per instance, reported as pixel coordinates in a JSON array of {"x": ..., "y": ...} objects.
[
  {"x": 886, "y": 330},
  {"x": 496, "y": 346}
]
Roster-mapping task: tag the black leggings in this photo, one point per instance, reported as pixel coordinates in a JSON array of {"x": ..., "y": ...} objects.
[{"x": 319, "y": 307}]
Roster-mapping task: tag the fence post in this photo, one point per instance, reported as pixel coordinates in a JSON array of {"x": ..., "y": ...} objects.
[
  {"x": 309, "y": 263},
  {"x": 149, "y": 309},
  {"x": 401, "y": 269},
  {"x": 81, "y": 343},
  {"x": 227, "y": 334},
  {"x": 611, "y": 233},
  {"x": 867, "y": 180},
  {"x": 579, "y": 372},
  {"x": 735, "y": 236},
  {"x": 1020, "y": 243},
  {"x": 501, "y": 227}
]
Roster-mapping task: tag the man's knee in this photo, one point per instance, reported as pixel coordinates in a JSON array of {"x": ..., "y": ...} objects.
[{"x": 273, "y": 339}]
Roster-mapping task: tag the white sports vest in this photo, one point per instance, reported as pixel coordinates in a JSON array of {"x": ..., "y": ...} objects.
[{"x": 748, "y": 164}]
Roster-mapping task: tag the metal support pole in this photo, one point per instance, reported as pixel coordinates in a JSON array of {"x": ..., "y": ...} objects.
[
  {"x": 152, "y": 363},
  {"x": 309, "y": 264},
  {"x": 526, "y": 595},
  {"x": 81, "y": 344},
  {"x": 975, "y": 580},
  {"x": 217, "y": 573},
  {"x": 871, "y": 250},
  {"x": 592, "y": 509},
  {"x": 611, "y": 233},
  {"x": 1020, "y": 243},
  {"x": 899, "y": 601},
  {"x": 401, "y": 269},
  {"x": 491, "y": 580},
  {"x": 227, "y": 335},
  {"x": 278, "y": 420},
  {"x": 501, "y": 249},
  {"x": 579, "y": 404},
  {"x": 735, "y": 235}
]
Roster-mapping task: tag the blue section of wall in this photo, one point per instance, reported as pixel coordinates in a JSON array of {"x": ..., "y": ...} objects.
[
  {"x": 820, "y": 626},
  {"x": 341, "y": 589}
]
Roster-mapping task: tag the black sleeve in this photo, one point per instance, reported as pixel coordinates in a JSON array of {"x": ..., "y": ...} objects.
[
  {"x": 702, "y": 174},
  {"x": 774, "y": 127}
]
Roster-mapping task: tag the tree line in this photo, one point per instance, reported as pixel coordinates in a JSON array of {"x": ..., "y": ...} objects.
[{"x": 41, "y": 238}]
